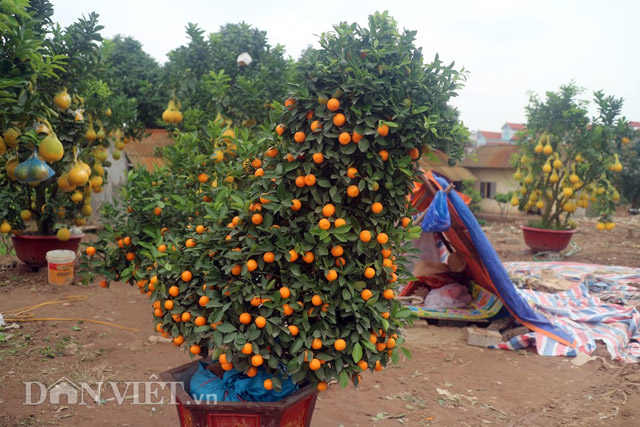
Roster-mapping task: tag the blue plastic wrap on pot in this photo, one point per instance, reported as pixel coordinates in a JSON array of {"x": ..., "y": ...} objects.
[
  {"x": 235, "y": 386},
  {"x": 437, "y": 217},
  {"x": 33, "y": 170}
]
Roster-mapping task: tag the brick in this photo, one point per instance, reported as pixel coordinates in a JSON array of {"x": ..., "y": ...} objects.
[{"x": 483, "y": 337}]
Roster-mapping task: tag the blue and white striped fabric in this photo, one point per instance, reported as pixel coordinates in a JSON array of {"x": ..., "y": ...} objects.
[{"x": 582, "y": 312}]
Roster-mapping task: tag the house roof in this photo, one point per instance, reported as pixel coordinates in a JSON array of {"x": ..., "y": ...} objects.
[
  {"x": 515, "y": 126},
  {"x": 492, "y": 156},
  {"x": 142, "y": 152},
  {"x": 440, "y": 165},
  {"x": 490, "y": 135},
  {"x": 635, "y": 124}
]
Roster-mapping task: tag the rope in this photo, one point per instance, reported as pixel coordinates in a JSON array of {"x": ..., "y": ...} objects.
[
  {"x": 556, "y": 256},
  {"x": 25, "y": 315}
]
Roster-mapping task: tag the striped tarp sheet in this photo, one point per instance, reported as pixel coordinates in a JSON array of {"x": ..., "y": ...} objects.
[{"x": 597, "y": 308}]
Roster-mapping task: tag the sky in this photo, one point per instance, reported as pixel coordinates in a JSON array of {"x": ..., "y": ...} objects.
[{"x": 509, "y": 48}]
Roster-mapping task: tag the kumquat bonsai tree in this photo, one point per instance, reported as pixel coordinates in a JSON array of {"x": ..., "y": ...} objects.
[
  {"x": 293, "y": 274},
  {"x": 57, "y": 120},
  {"x": 569, "y": 161}
]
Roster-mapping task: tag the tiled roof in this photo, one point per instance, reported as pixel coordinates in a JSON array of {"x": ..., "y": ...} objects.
[
  {"x": 142, "y": 152},
  {"x": 441, "y": 165},
  {"x": 492, "y": 156},
  {"x": 635, "y": 124},
  {"x": 515, "y": 126},
  {"x": 491, "y": 135}
]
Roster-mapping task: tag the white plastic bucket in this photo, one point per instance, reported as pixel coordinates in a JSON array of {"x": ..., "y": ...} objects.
[{"x": 60, "y": 266}]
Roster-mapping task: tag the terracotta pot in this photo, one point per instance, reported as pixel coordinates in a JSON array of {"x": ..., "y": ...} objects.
[
  {"x": 540, "y": 239},
  {"x": 294, "y": 410},
  {"x": 32, "y": 250}
]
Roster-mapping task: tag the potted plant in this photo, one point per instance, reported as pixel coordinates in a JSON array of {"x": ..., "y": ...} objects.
[
  {"x": 567, "y": 161},
  {"x": 291, "y": 276},
  {"x": 57, "y": 121}
]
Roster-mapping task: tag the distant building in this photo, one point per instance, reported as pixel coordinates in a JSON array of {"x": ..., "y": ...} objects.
[
  {"x": 506, "y": 136},
  {"x": 138, "y": 153},
  {"x": 144, "y": 151},
  {"x": 509, "y": 131},
  {"x": 439, "y": 164},
  {"x": 484, "y": 137},
  {"x": 491, "y": 165}
]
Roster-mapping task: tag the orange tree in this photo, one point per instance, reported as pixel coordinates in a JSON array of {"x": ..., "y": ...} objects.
[
  {"x": 56, "y": 120},
  {"x": 567, "y": 160},
  {"x": 297, "y": 270},
  {"x": 162, "y": 213}
]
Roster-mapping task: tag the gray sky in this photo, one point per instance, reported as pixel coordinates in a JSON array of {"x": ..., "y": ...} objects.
[{"x": 509, "y": 47}]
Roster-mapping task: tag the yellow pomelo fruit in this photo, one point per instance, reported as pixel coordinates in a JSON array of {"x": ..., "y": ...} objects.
[
  {"x": 5, "y": 227},
  {"x": 87, "y": 210},
  {"x": 51, "y": 149},
  {"x": 62, "y": 99},
  {"x": 78, "y": 176},
  {"x": 91, "y": 134},
  {"x": 96, "y": 181},
  {"x": 76, "y": 197},
  {"x": 63, "y": 234},
  {"x": 11, "y": 137},
  {"x": 11, "y": 168}
]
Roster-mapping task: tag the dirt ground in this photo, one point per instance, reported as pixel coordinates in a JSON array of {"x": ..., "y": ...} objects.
[{"x": 446, "y": 383}]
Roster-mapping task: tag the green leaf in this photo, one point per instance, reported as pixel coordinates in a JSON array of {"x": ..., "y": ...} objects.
[
  {"x": 324, "y": 183},
  {"x": 404, "y": 314},
  {"x": 344, "y": 379},
  {"x": 395, "y": 356},
  {"x": 406, "y": 352},
  {"x": 368, "y": 344},
  {"x": 226, "y": 328},
  {"x": 348, "y": 149},
  {"x": 297, "y": 345},
  {"x": 356, "y": 353}
]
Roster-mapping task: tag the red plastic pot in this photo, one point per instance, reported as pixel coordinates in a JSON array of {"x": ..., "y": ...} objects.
[
  {"x": 32, "y": 250},
  {"x": 540, "y": 239},
  {"x": 294, "y": 410}
]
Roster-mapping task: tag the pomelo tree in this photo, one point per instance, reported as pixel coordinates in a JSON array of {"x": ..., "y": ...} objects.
[
  {"x": 569, "y": 160},
  {"x": 296, "y": 272},
  {"x": 57, "y": 119}
]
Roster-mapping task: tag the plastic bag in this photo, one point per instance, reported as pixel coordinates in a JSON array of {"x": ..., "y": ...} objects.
[
  {"x": 437, "y": 217},
  {"x": 33, "y": 170},
  {"x": 234, "y": 386}
]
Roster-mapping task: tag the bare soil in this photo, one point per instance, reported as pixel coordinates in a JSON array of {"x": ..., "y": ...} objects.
[{"x": 446, "y": 383}]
